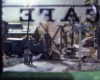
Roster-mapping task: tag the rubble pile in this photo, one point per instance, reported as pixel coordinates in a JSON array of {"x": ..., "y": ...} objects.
[
  {"x": 56, "y": 55},
  {"x": 5, "y": 57},
  {"x": 88, "y": 42},
  {"x": 57, "y": 44},
  {"x": 10, "y": 62}
]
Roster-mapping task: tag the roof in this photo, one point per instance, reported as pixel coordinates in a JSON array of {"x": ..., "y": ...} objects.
[
  {"x": 16, "y": 23},
  {"x": 17, "y": 39},
  {"x": 23, "y": 31}
]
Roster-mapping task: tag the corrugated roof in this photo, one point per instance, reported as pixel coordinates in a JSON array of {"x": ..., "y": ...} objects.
[
  {"x": 18, "y": 39},
  {"x": 20, "y": 31}
]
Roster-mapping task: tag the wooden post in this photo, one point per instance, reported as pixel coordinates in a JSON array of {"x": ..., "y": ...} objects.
[
  {"x": 72, "y": 36},
  {"x": 28, "y": 28},
  {"x": 61, "y": 41},
  {"x": 97, "y": 27},
  {"x": 65, "y": 39},
  {"x": 98, "y": 47}
]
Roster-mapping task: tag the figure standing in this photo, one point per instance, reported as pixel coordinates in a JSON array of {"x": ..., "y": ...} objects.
[
  {"x": 25, "y": 57},
  {"x": 30, "y": 58}
]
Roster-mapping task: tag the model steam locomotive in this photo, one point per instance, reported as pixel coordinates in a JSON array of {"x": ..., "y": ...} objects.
[{"x": 17, "y": 46}]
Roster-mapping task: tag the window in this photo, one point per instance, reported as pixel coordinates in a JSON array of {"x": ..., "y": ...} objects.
[{"x": 52, "y": 26}]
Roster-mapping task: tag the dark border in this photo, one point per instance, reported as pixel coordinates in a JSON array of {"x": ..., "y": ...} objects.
[{"x": 1, "y": 63}]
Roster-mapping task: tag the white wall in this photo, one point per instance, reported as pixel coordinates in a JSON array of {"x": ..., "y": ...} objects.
[{"x": 13, "y": 14}]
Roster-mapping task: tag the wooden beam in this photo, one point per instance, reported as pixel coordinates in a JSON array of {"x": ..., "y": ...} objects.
[{"x": 61, "y": 41}]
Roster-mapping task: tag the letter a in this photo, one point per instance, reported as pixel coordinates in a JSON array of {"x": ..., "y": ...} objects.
[{"x": 71, "y": 14}]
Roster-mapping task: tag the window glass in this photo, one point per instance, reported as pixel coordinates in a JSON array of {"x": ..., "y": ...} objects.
[{"x": 50, "y": 35}]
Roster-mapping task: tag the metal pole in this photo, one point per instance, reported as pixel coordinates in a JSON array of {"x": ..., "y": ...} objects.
[
  {"x": 80, "y": 43},
  {"x": 1, "y": 63},
  {"x": 79, "y": 61},
  {"x": 97, "y": 27}
]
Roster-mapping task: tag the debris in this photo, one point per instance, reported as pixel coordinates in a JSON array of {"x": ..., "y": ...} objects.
[
  {"x": 88, "y": 42},
  {"x": 10, "y": 62},
  {"x": 92, "y": 50},
  {"x": 36, "y": 35},
  {"x": 70, "y": 52},
  {"x": 91, "y": 53},
  {"x": 5, "y": 56},
  {"x": 57, "y": 43},
  {"x": 55, "y": 55}
]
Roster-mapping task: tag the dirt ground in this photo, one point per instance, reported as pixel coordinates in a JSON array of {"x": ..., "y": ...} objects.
[
  {"x": 51, "y": 66},
  {"x": 62, "y": 65}
]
